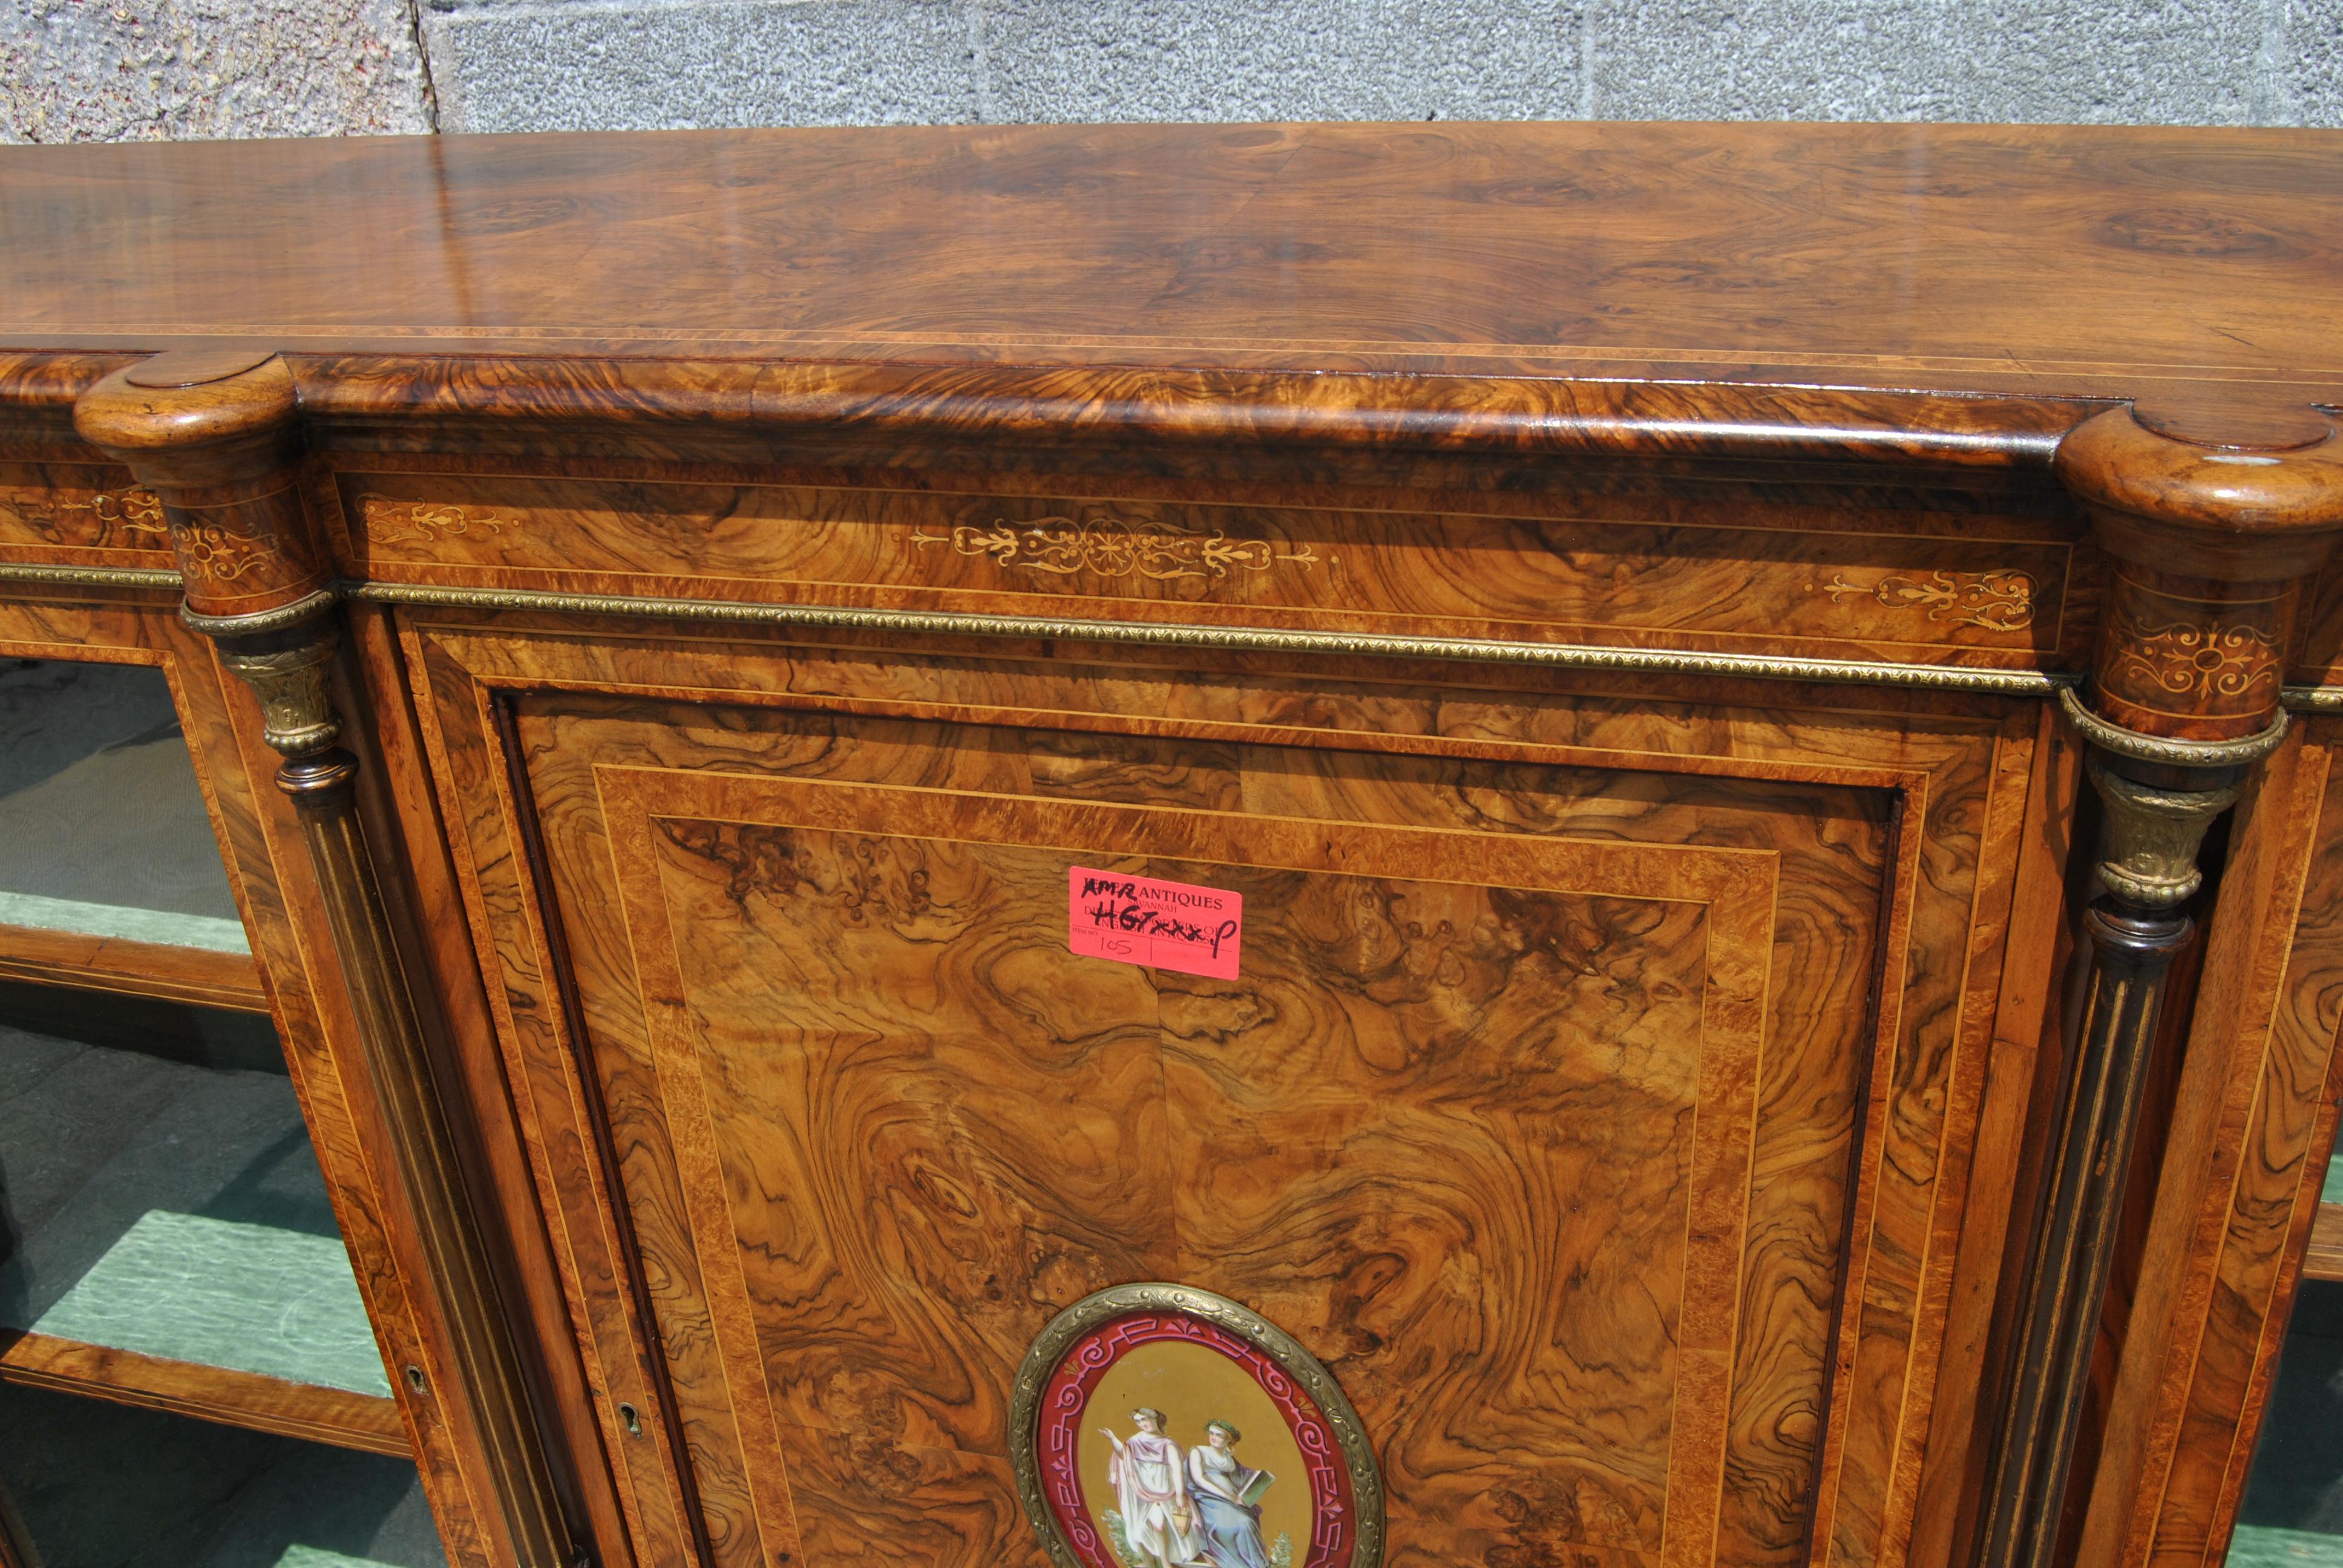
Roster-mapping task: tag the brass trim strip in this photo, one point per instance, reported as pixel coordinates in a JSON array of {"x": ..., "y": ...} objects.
[
  {"x": 1171, "y": 634},
  {"x": 1232, "y": 639},
  {"x": 94, "y": 577},
  {"x": 2313, "y": 698}
]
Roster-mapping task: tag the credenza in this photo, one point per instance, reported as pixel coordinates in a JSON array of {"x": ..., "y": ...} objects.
[{"x": 1546, "y": 846}]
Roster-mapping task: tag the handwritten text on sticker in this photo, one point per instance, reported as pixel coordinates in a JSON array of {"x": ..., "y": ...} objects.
[{"x": 1146, "y": 920}]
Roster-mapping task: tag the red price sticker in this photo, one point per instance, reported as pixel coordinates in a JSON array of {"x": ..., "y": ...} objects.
[{"x": 1146, "y": 920}]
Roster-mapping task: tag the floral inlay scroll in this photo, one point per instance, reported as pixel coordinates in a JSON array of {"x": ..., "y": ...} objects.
[
  {"x": 222, "y": 551},
  {"x": 131, "y": 511},
  {"x": 2206, "y": 663},
  {"x": 392, "y": 522},
  {"x": 1991, "y": 601},
  {"x": 1114, "y": 547}
]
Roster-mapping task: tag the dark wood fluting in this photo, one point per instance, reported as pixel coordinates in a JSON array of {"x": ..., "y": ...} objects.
[
  {"x": 1651, "y": 617},
  {"x": 2238, "y": 1198}
]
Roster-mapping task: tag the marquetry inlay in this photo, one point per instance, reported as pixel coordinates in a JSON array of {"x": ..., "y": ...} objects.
[
  {"x": 133, "y": 511},
  {"x": 2198, "y": 661},
  {"x": 1993, "y": 601},
  {"x": 1113, "y": 547},
  {"x": 422, "y": 522}
]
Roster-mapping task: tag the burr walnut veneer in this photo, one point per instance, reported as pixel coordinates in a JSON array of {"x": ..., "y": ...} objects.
[{"x": 1764, "y": 688}]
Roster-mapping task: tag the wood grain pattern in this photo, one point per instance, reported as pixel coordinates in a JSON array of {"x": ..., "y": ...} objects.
[
  {"x": 1778, "y": 1373},
  {"x": 2018, "y": 1070},
  {"x": 1830, "y": 582},
  {"x": 329, "y": 1416},
  {"x": 1002, "y": 1133},
  {"x": 211, "y": 432},
  {"x": 1831, "y": 391},
  {"x": 1721, "y": 247},
  {"x": 429, "y": 906},
  {"x": 81, "y": 514}
]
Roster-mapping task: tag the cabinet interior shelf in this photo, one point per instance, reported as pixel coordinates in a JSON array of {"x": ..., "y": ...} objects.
[
  {"x": 2324, "y": 1258},
  {"x": 369, "y": 1423},
  {"x": 203, "y": 977}
]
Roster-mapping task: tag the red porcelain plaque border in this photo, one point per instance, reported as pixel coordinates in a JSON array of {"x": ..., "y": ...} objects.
[{"x": 1334, "y": 1510}]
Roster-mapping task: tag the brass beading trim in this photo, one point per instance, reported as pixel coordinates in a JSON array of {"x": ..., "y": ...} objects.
[
  {"x": 1174, "y": 634},
  {"x": 265, "y": 621},
  {"x": 146, "y": 577},
  {"x": 2165, "y": 749},
  {"x": 1234, "y": 638},
  {"x": 2313, "y": 698}
]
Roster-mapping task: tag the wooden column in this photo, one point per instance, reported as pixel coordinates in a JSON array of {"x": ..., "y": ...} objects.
[
  {"x": 216, "y": 436},
  {"x": 2214, "y": 519}
]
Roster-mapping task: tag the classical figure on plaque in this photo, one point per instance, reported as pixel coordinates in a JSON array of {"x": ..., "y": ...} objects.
[
  {"x": 1228, "y": 1501},
  {"x": 1155, "y": 1526}
]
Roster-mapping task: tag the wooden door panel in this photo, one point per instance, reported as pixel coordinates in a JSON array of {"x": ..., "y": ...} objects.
[
  {"x": 1478, "y": 1122},
  {"x": 1475, "y": 1107},
  {"x": 1557, "y": 1107}
]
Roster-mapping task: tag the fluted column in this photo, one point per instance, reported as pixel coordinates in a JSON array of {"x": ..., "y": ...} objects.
[
  {"x": 2213, "y": 519},
  {"x": 216, "y": 434}
]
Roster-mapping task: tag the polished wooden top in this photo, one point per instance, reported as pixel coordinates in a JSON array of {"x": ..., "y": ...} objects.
[{"x": 2032, "y": 262}]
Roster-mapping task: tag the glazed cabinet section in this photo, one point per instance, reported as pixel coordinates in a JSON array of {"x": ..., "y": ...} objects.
[
  {"x": 194, "y": 1287},
  {"x": 1592, "y": 1089}
]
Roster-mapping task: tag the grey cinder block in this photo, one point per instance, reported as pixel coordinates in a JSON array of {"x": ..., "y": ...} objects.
[
  {"x": 147, "y": 70},
  {"x": 543, "y": 65},
  {"x": 97, "y": 69},
  {"x": 2173, "y": 61},
  {"x": 1281, "y": 59},
  {"x": 2309, "y": 61},
  {"x": 503, "y": 66}
]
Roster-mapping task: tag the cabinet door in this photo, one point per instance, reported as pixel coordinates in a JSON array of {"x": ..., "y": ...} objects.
[
  {"x": 198, "y": 1283},
  {"x": 1581, "y": 1095}
]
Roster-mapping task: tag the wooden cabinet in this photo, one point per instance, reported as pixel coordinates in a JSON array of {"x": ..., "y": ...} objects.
[{"x": 1543, "y": 789}]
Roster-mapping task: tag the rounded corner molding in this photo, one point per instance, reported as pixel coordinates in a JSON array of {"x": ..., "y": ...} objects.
[
  {"x": 166, "y": 416},
  {"x": 1173, "y": 1478},
  {"x": 2253, "y": 495}
]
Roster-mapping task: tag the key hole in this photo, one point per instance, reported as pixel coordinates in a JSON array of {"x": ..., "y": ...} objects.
[
  {"x": 631, "y": 1418},
  {"x": 415, "y": 1378}
]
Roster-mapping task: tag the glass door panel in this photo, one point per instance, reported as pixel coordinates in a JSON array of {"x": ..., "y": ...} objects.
[
  {"x": 161, "y": 1196},
  {"x": 185, "y": 1362},
  {"x": 2292, "y": 1512},
  {"x": 109, "y": 874},
  {"x": 187, "y": 1373}
]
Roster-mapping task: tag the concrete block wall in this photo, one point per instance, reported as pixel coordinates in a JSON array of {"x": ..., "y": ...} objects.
[
  {"x": 109, "y": 69},
  {"x": 150, "y": 70}
]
